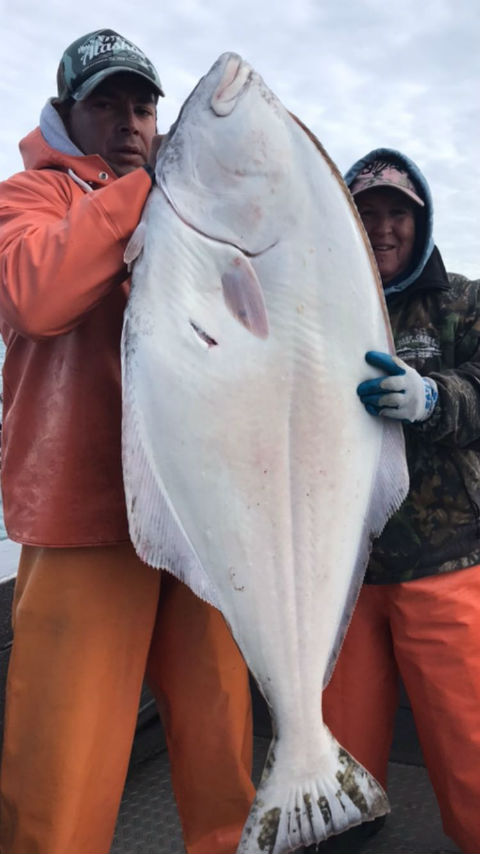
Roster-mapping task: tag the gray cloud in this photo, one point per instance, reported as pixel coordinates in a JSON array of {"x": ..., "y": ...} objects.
[{"x": 360, "y": 74}]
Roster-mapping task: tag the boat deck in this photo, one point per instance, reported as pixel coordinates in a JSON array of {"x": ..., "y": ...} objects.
[{"x": 148, "y": 821}]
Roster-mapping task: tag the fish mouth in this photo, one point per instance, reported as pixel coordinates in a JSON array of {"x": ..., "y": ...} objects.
[
  {"x": 162, "y": 186},
  {"x": 236, "y": 77}
]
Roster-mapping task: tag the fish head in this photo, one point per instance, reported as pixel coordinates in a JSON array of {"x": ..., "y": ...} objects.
[{"x": 226, "y": 164}]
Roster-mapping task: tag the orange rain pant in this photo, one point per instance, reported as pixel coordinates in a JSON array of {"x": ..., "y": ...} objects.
[
  {"x": 428, "y": 630},
  {"x": 88, "y": 623}
]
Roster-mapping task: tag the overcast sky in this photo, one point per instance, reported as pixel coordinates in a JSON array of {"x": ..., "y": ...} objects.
[{"x": 360, "y": 73}]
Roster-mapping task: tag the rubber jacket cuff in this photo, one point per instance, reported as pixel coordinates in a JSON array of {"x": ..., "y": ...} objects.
[{"x": 431, "y": 396}]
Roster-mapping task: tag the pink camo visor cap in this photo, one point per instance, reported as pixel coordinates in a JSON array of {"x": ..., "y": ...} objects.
[{"x": 382, "y": 174}]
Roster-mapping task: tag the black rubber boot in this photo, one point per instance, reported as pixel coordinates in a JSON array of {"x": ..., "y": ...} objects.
[{"x": 350, "y": 841}]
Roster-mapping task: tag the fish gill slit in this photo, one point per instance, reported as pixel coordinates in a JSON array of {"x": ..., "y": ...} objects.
[
  {"x": 162, "y": 186},
  {"x": 204, "y": 336}
]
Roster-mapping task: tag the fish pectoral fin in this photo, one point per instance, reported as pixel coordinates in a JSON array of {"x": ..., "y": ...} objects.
[
  {"x": 135, "y": 244},
  {"x": 243, "y": 296}
]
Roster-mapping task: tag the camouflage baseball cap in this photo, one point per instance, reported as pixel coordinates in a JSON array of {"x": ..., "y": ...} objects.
[
  {"x": 380, "y": 173},
  {"x": 92, "y": 58}
]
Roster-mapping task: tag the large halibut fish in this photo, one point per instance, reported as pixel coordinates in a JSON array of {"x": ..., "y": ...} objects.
[{"x": 252, "y": 471}]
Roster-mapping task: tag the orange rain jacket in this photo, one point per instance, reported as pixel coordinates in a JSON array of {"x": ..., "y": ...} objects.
[{"x": 63, "y": 289}]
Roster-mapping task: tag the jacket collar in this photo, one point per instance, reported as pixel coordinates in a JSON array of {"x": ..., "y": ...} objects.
[{"x": 433, "y": 277}]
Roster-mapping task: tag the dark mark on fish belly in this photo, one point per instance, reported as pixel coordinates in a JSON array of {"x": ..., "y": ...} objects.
[
  {"x": 324, "y": 808},
  {"x": 291, "y": 830},
  {"x": 348, "y": 781},
  {"x": 238, "y": 587},
  {"x": 307, "y": 800},
  {"x": 269, "y": 763},
  {"x": 300, "y": 812},
  {"x": 268, "y": 834}
]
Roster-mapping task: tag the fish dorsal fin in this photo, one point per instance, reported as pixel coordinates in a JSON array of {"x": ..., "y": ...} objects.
[
  {"x": 243, "y": 296},
  {"x": 135, "y": 244}
]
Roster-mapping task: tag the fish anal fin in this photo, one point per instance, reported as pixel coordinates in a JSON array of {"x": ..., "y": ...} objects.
[
  {"x": 135, "y": 244},
  {"x": 243, "y": 296}
]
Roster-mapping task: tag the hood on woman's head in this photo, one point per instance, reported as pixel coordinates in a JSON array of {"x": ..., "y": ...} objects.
[
  {"x": 387, "y": 167},
  {"x": 382, "y": 173}
]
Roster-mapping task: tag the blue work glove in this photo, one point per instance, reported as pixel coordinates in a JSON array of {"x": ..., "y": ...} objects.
[{"x": 403, "y": 394}]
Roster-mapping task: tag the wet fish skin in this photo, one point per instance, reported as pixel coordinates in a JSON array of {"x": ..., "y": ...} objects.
[{"x": 251, "y": 469}]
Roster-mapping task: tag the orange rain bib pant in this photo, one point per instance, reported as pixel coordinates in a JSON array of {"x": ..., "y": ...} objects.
[
  {"x": 88, "y": 623},
  {"x": 428, "y": 631}
]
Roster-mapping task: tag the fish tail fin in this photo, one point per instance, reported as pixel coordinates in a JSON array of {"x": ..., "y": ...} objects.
[{"x": 290, "y": 812}]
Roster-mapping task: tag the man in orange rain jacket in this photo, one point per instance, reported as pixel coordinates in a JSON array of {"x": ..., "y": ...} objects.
[{"x": 89, "y": 617}]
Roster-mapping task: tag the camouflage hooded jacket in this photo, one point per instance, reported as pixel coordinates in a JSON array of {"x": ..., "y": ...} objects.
[{"x": 435, "y": 319}]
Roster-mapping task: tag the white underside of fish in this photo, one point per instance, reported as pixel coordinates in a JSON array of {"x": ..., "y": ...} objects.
[{"x": 254, "y": 474}]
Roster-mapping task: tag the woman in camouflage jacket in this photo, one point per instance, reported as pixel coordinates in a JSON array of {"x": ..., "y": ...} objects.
[{"x": 418, "y": 615}]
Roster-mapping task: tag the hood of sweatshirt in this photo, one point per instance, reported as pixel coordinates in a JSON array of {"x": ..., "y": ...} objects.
[{"x": 424, "y": 243}]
